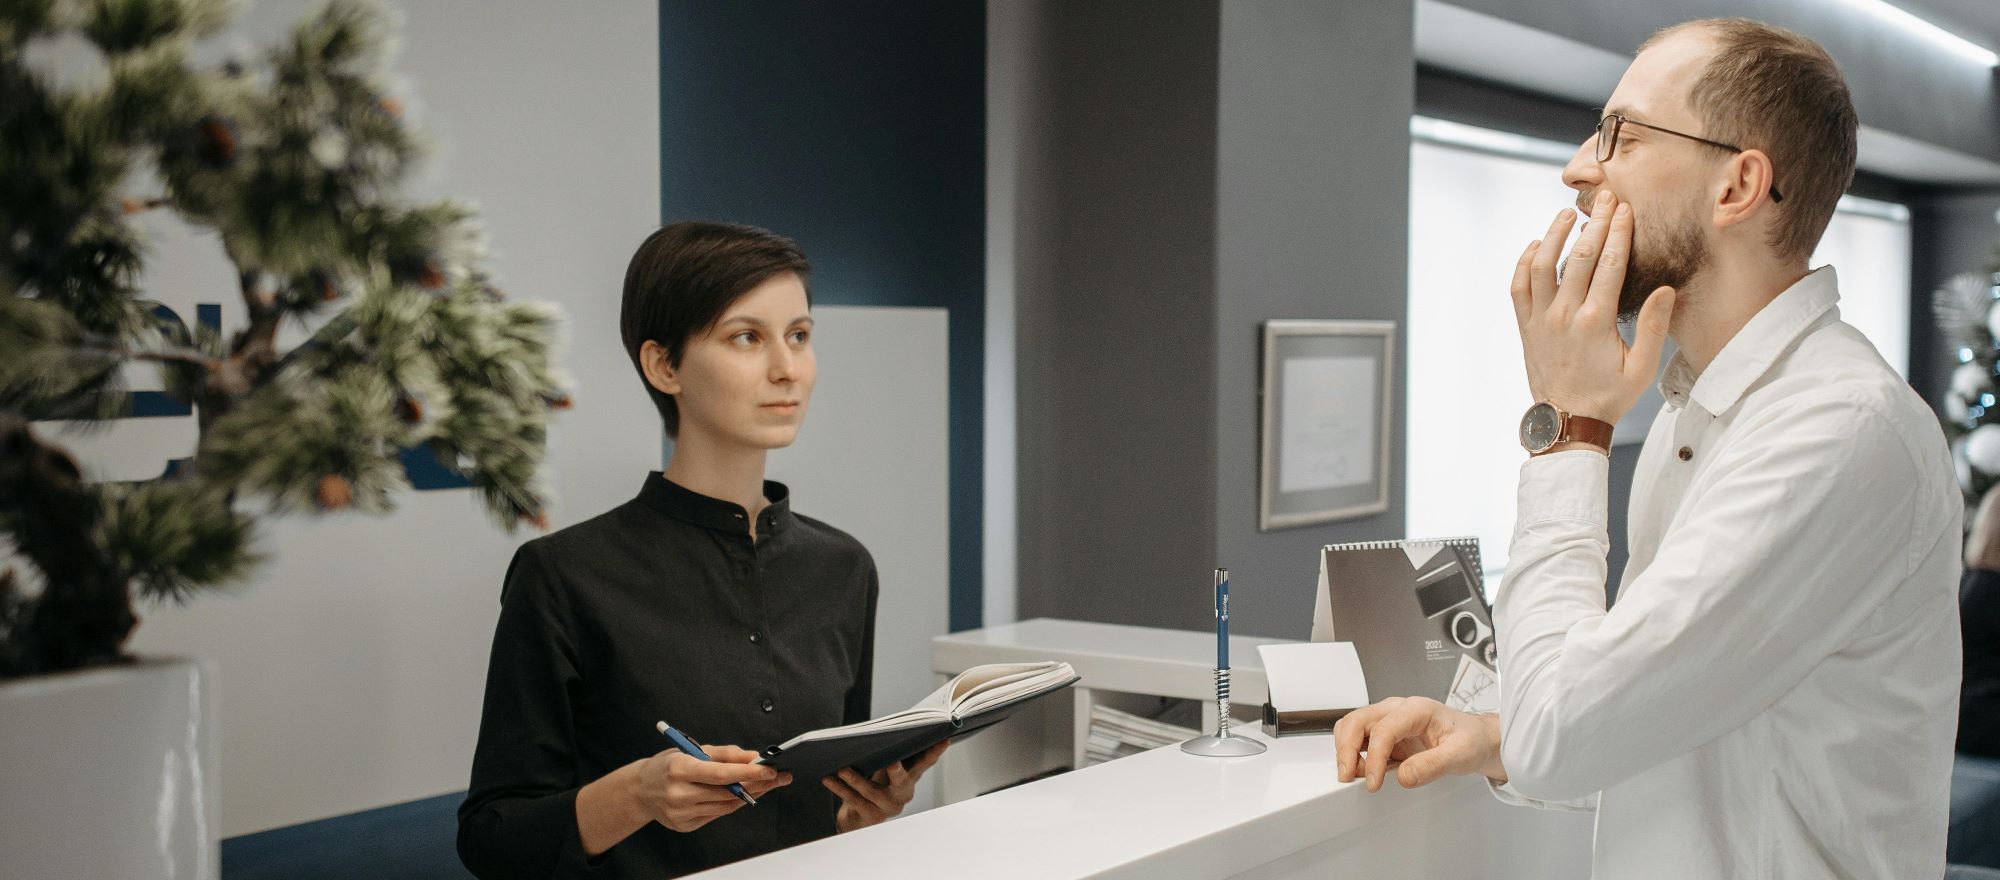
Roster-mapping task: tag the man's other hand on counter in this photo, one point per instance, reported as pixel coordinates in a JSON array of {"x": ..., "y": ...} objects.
[{"x": 1421, "y": 738}]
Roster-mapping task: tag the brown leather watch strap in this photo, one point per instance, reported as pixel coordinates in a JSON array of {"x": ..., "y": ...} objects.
[{"x": 1584, "y": 429}]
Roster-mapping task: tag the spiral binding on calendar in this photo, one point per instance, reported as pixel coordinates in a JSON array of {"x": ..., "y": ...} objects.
[{"x": 1468, "y": 544}]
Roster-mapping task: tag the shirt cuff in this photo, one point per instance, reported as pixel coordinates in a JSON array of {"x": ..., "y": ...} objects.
[
  {"x": 1572, "y": 485},
  {"x": 558, "y": 811},
  {"x": 1507, "y": 795}
]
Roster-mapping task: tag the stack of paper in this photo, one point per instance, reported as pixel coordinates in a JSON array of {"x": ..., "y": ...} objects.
[{"x": 1116, "y": 734}]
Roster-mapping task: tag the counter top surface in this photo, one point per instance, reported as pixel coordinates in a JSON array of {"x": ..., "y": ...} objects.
[{"x": 1159, "y": 813}]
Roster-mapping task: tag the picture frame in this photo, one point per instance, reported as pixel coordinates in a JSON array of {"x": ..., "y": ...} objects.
[{"x": 1326, "y": 400}]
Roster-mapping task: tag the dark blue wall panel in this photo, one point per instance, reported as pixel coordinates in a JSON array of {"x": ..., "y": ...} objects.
[
  {"x": 859, "y": 130},
  {"x": 409, "y": 841}
]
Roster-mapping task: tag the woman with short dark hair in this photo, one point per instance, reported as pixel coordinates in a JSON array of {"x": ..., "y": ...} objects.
[{"x": 704, "y": 602}]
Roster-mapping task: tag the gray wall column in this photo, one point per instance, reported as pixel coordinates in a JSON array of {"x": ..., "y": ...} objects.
[
  {"x": 1187, "y": 171},
  {"x": 1115, "y": 238},
  {"x": 1313, "y": 222}
]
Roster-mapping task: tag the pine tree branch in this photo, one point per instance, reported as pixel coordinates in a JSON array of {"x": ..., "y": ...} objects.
[
  {"x": 169, "y": 356},
  {"x": 255, "y": 349},
  {"x": 335, "y": 330},
  {"x": 301, "y": 174},
  {"x": 257, "y": 346}
]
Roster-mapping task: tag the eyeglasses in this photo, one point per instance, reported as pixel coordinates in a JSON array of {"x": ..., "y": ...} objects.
[{"x": 1608, "y": 125}]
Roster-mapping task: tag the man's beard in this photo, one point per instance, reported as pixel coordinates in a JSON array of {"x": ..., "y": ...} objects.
[{"x": 1669, "y": 258}]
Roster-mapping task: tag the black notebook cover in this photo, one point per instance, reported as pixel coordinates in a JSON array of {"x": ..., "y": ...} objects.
[{"x": 869, "y": 752}]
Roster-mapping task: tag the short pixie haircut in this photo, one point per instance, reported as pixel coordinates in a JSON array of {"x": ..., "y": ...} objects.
[{"x": 684, "y": 276}]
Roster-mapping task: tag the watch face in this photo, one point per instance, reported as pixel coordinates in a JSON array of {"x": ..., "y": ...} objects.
[{"x": 1540, "y": 427}]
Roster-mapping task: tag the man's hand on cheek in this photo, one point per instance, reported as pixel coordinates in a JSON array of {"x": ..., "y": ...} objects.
[{"x": 1569, "y": 328}]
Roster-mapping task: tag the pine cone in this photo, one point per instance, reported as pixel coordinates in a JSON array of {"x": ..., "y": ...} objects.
[
  {"x": 215, "y": 142},
  {"x": 335, "y": 492},
  {"x": 410, "y": 409}
]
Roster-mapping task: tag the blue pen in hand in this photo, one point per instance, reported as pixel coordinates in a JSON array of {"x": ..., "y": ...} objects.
[{"x": 687, "y": 747}]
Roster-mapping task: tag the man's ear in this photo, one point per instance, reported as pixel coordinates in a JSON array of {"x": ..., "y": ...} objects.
[
  {"x": 660, "y": 373},
  {"x": 1746, "y": 187}
]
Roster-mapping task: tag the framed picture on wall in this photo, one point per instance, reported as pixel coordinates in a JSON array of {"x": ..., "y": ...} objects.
[{"x": 1324, "y": 449}]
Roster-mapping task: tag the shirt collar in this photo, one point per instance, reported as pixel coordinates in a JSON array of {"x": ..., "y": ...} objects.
[
  {"x": 1750, "y": 353},
  {"x": 689, "y": 506}
]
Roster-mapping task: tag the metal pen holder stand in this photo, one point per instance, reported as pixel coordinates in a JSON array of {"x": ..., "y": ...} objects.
[{"x": 1222, "y": 744}]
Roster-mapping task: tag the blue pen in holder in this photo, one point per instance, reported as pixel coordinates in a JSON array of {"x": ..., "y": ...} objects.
[{"x": 1221, "y": 744}]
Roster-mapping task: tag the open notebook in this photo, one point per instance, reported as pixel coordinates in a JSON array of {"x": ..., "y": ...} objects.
[{"x": 977, "y": 698}]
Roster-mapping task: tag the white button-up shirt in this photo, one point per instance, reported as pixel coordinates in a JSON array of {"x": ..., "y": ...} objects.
[{"x": 1775, "y": 692}]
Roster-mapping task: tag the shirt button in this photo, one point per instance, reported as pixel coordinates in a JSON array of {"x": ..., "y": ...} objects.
[
  {"x": 1687, "y": 453},
  {"x": 756, "y": 638},
  {"x": 768, "y": 705}
]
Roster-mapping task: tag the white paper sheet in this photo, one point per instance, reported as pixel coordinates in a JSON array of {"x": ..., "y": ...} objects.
[
  {"x": 1328, "y": 420},
  {"x": 1474, "y": 688},
  {"x": 1314, "y": 675}
]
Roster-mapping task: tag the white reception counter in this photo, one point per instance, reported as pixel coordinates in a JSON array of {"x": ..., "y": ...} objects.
[{"x": 1168, "y": 815}]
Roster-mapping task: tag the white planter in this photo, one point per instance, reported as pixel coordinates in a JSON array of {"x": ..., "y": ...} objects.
[{"x": 110, "y": 772}]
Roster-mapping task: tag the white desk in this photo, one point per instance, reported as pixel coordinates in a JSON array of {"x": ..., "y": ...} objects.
[{"x": 1168, "y": 815}]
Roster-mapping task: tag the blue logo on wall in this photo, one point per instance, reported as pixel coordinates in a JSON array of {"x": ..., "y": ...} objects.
[{"x": 420, "y": 465}]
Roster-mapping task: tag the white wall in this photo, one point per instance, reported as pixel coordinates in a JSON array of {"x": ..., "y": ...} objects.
[{"x": 351, "y": 669}]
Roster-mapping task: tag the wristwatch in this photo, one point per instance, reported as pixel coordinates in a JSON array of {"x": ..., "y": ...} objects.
[{"x": 1544, "y": 426}]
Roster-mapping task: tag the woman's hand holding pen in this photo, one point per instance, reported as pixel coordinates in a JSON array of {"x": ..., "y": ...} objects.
[
  {"x": 676, "y": 790},
  {"x": 871, "y": 800},
  {"x": 685, "y": 793}
]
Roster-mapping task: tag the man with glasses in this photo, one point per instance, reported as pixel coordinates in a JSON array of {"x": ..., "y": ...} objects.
[{"x": 1775, "y": 692}]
